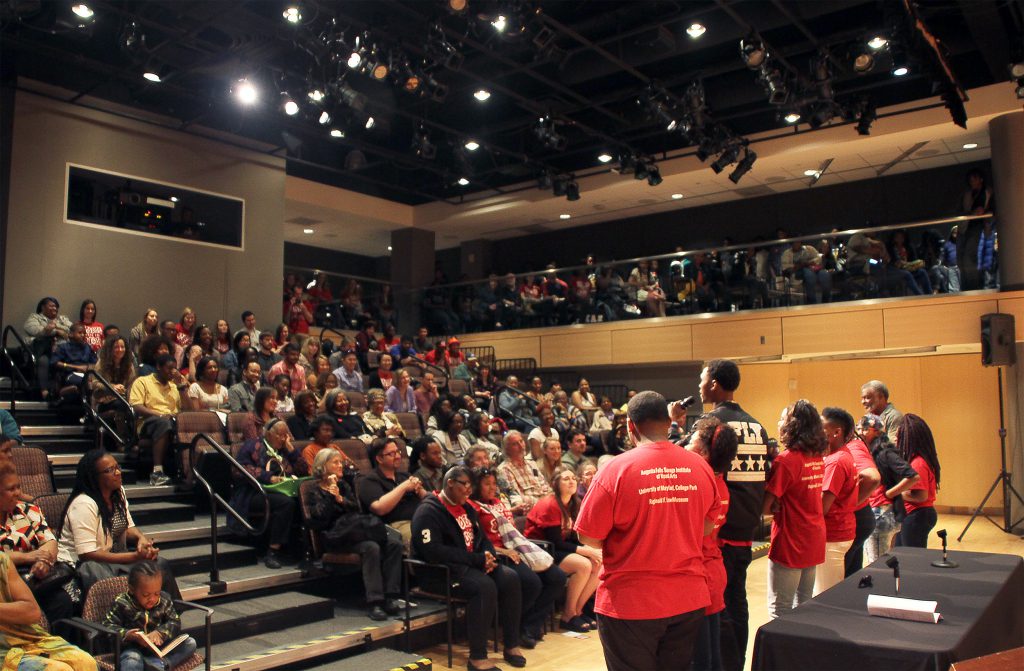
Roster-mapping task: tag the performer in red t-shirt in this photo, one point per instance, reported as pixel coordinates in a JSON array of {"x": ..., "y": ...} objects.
[
  {"x": 793, "y": 497},
  {"x": 914, "y": 439},
  {"x": 868, "y": 479},
  {"x": 718, "y": 444},
  {"x": 839, "y": 491},
  {"x": 648, "y": 510}
]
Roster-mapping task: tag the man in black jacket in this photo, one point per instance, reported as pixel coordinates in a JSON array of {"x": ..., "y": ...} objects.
[
  {"x": 746, "y": 479},
  {"x": 446, "y": 530}
]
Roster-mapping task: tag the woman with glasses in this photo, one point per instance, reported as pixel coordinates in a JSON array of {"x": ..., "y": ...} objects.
[
  {"x": 97, "y": 529},
  {"x": 552, "y": 520},
  {"x": 447, "y": 530},
  {"x": 539, "y": 590}
]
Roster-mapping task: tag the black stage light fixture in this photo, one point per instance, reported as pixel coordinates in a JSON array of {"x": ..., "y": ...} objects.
[
  {"x": 774, "y": 84},
  {"x": 560, "y": 185},
  {"x": 653, "y": 175},
  {"x": 572, "y": 190},
  {"x": 1017, "y": 74},
  {"x": 753, "y": 52},
  {"x": 642, "y": 169},
  {"x": 727, "y": 157},
  {"x": 706, "y": 149},
  {"x": 422, "y": 146},
  {"x": 744, "y": 166},
  {"x": 863, "y": 60},
  {"x": 866, "y": 116},
  {"x": 545, "y": 181},
  {"x": 546, "y": 131}
]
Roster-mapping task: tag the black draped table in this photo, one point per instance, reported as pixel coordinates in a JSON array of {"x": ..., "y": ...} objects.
[{"x": 981, "y": 602}]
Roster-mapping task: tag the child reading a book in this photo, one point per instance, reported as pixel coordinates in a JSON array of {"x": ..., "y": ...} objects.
[{"x": 149, "y": 626}]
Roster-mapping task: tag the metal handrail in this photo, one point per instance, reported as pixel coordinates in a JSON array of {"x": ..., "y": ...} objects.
[
  {"x": 218, "y": 586},
  {"x": 332, "y": 330},
  {"x": 532, "y": 402},
  {"x": 672, "y": 256},
  {"x": 15, "y": 371},
  {"x": 87, "y": 392},
  {"x": 438, "y": 369}
]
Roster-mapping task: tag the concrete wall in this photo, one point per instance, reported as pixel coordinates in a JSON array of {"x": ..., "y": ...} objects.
[{"x": 127, "y": 273}]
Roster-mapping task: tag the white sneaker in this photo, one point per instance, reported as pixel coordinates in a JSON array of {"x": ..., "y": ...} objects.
[{"x": 158, "y": 479}]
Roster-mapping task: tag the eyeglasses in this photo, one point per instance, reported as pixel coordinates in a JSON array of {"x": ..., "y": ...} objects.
[
  {"x": 390, "y": 454},
  {"x": 464, "y": 483},
  {"x": 108, "y": 471}
]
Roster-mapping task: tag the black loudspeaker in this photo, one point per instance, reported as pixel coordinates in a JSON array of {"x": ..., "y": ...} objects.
[{"x": 997, "y": 340}]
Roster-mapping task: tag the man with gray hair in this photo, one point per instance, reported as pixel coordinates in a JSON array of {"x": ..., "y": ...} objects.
[
  {"x": 648, "y": 510},
  {"x": 874, "y": 396},
  {"x": 522, "y": 476}
]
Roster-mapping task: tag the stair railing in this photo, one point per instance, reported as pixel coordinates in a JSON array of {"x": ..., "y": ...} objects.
[
  {"x": 16, "y": 373},
  {"x": 102, "y": 424},
  {"x": 218, "y": 586}
]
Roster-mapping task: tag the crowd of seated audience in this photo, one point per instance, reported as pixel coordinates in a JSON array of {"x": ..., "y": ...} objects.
[{"x": 493, "y": 452}]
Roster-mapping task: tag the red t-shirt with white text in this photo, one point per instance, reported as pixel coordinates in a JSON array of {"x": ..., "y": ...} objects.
[
  {"x": 459, "y": 513},
  {"x": 862, "y": 459},
  {"x": 649, "y": 505},
  {"x": 798, "y": 528},
  {"x": 713, "y": 566},
  {"x": 841, "y": 480},
  {"x": 93, "y": 335},
  {"x": 543, "y": 515},
  {"x": 927, "y": 483}
]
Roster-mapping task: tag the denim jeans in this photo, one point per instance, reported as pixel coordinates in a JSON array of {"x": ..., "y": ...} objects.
[
  {"x": 788, "y": 587},
  {"x": 880, "y": 540},
  {"x": 132, "y": 659}
]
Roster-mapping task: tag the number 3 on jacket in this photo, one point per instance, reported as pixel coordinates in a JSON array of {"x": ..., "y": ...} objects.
[{"x": 426, "y": 535}]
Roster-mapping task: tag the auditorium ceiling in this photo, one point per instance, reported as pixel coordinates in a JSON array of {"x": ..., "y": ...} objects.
[{"x": 640, "y": 83}]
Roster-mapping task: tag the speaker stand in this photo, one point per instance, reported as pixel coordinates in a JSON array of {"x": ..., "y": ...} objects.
[{"x": 1004, "y": 477}]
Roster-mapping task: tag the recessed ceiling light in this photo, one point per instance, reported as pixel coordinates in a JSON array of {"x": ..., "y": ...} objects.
[
  {"x": 565, "y": 216},
  {"x": 811, "y": 173},
  {"x": 151, "y": 76},
  {"x": 463, "y": 181},
  {"x": 82, "y": 10},
  {"x": 900, "y": 71},
  {"x": 482, "y": 94},
  {"x": 370, "y": 122},
  {"x": 971, "y": 145},
  {"x": 174, "y": 199},
  {"x": 316, "y": 95},
  {"x": 499, "y": 23},
  {"x": 389, "y": 248},
  {"x": 472, "y": 145},
  {"x": 604, "y": 158},
  {"x": 308, "y": 231},
  {"x": 877, "y": 42},
  {"x": 337, "y": 132},
  {"x": 292, "y": 14},
  {"x": 696, "y": 30},
  {"x": 792, "y": 117},
  {"x": 677, "y": 196},
  {"x": 246, "y": 92},
  {"x": 325, "y": 118},
  {"x": 291, "y": 108}
]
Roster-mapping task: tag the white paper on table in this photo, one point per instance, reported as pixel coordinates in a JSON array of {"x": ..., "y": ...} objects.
[{"x": 903, "y": 609}]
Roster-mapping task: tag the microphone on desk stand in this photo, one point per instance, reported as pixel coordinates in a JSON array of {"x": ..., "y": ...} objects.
[
  {"x": 945, "y": 562},
  {"x": 894, "y": 564}
]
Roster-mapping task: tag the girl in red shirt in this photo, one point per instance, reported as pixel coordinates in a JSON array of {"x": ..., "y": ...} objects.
[
  {"x": 93, "y": 329},
  {"x": 793, "y": 496},
  {"x": 914, "y": 440},
  {"x": 185, "y": 329},
  {"x": 552, "y": 520},
  {"x": 539, "y": 590},
  {"x": 839, "y": 489},
  {"x": 717, "y": 443}
]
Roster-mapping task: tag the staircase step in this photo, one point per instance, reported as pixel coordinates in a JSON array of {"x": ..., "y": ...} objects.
[
  {"x": 383, "y": 659},
  {"x": 298, "y": 647},
  {"x": 75, "y": 430},
  {"x": 64, "y": 477},
  {"x": 155, "y": 512},
  {"x": 196, "y": 558},
  {"x": 249, "y": 616},
  {"x": 172, "y": 532},
  {"x": 71, "y": 459},
  {"x": 239, "y": 580},
  {"x": 20, "y": 405}
]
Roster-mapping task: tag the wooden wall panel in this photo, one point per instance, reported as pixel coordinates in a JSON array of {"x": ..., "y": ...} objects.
[
  {"x": 836, "y": 332},
  {"x": 1014, "y": 306},
  {"x": 945, "y": 324},
  {"x": 737, "y": 338},
  {"x": 582, "y": 348},
  {"x": 652, "y": 345}
]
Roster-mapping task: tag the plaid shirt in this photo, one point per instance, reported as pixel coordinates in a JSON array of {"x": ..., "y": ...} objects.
[
  {"x": 127, "y": 614},
  {"x": 526, "y": 480}
]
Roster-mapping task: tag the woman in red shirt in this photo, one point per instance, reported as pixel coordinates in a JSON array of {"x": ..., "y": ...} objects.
[
  {"x": 552, "y": 519},
  {"x": 793, "y": 496},
  {"x": 839, "y": 489},
  {"x": 717, "y": 443},
  {"x": 915, "y": 442},
  {"x": 185, "y": 329},
  {"x": 539, "y": 590},
  {"x": 93, "y": 329}
]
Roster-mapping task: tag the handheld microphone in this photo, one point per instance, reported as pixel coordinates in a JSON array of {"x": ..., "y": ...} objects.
[
  {"x": 945, "y": 562},
  {"x": 687, "y": 402},
  {"x": 894, "y": 564}
]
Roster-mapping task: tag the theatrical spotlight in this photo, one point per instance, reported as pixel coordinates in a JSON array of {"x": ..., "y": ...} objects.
[
  {"x": 744, "y": 166},
  {"x": 753, "y": 52},
  {"x": 653, "y": 175},
  {"x": 422, "y": 146},
  {"x": 774, "y": 84},
  {"x": 457, "y": 6},
  {"x": 863, "y": 60},
  {"x": 546, "y": 131},
  {"x": 1017, "y": 74},
  {"x": 728, "y": 157},
  {"x": 866, "y": 116}
]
